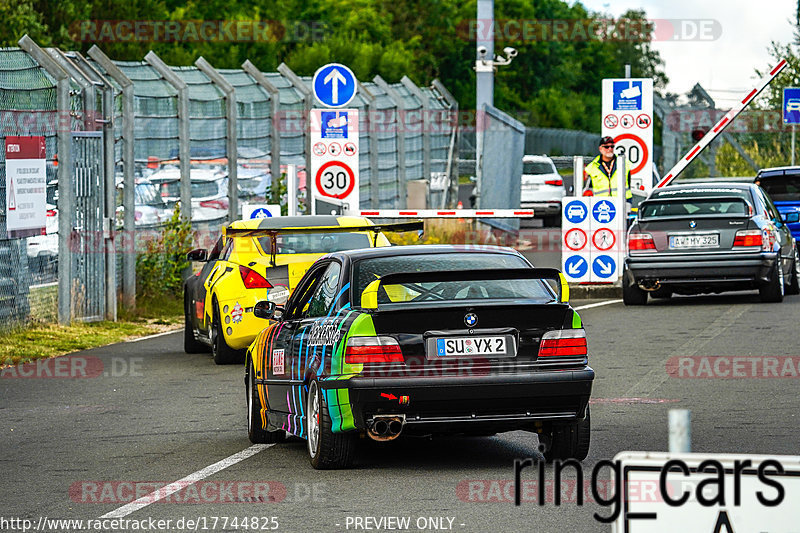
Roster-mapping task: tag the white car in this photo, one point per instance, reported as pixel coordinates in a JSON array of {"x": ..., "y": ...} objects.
[
  {"x": 150, "y": 207},
  {"x": 542, "y": 188},
  {"x": 43, "y": 249},
  {"x": 209, "y": 191}
]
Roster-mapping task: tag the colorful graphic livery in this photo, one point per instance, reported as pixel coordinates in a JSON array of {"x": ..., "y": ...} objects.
[
  {"x": 262, "y": 259},
  {"x": 420, "y": 340}
]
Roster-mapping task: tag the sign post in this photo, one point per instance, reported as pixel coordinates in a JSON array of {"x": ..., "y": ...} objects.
[
  {"x": 26, "y": 186},
  {"x": 334, "y": 142},
  {"x": 628, "y": 118},
  {"x": 791, "y": 111}
]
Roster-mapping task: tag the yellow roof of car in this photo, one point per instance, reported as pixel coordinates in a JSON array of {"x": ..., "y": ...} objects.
[{"x": 305, "y": 221}]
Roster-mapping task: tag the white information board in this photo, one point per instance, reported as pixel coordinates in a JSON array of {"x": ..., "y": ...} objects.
[
  {"x": 592, "y": 238},
  {"x": 26, "y": 185},
  {"x": 627, "y": 113},
  {"x": 709, "y": 497},
  {"x": 334, "y": 158}
]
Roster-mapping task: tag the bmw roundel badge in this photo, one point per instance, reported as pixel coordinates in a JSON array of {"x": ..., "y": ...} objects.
[
  {"x": 471, "y": 319},
  {"x": 692, "y": 224}
]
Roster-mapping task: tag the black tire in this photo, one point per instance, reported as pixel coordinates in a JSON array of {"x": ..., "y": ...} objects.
[
  {"x": 190, "y": 343},
  {"x": 661, "y": 293},
  {"x": 632, "y": 294},
  {"x": 223, "y": 354},
  {"x": 772, "y": 291},
  {"x": 326, "y": 450},
  {"x": 257, "y": 434},
  {"x": 794, "y": 285},
  {"x": 570, "y": 441}
]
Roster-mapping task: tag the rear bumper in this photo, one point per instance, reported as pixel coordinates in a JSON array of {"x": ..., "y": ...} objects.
[
  {"x": 731, "y": 269},
  {"x": 502, "y": 402},
  {"x": 541, "y": 208}
]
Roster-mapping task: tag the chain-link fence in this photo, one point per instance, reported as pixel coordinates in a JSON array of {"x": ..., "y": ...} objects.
[{"x": 136, "y": 138}]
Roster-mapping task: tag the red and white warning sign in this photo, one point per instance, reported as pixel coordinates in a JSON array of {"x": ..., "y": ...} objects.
[
  {"x": 26, "y": 185},
  {"x": 627, "y": 121},
  {"x": 610, "y": 121},
  {"x": 632, "y": 98},
  {"x": 334, "y": 170},
  {"x": 603, "y": 239},
  {"x": 575, "y": 239}
]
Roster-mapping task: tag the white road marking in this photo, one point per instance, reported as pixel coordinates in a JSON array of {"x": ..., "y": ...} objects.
[
  {"x": 598, "y": 304},
  {"x": 191, "y": 479},
  {"x": 153, "y": 336}
]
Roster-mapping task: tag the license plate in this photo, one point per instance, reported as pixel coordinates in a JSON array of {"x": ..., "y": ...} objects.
[
  {"x": 469, "y": 346},
  {"x": 710, "y": 240}
]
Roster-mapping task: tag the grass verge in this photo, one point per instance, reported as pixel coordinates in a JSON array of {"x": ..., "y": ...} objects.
[{"x": 41, "y": 339}]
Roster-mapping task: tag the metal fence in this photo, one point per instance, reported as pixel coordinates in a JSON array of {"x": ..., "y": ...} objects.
[{"x": 126, "y": 141}]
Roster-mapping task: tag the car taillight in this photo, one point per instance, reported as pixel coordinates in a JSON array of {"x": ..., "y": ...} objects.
[
  {"x": 137, "y": 215},
  {"x": 641, "y": 241},
  {"x": 557, "y": 183},
  {"x": 748, "y": 238},
  {"x": 563, "y": 343},
  {"x": 52, "y": 212},
  {"x": 222, "y": 203},
  {"x": 253, "y": 280},
  {"x": 372, "y": 350}
]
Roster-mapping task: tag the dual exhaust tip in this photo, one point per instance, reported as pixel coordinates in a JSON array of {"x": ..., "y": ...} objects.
[{"x": 386, "y": 428}]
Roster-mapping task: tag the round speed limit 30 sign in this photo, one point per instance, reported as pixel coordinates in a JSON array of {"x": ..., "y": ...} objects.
[{"x": 335, "y": 179}]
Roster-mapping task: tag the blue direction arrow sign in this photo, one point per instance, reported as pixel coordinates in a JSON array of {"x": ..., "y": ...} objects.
[
  {"x": 334, "y": 85},
  {"x": 604, "y": 266},
  {"x": 576, "y": 266}
]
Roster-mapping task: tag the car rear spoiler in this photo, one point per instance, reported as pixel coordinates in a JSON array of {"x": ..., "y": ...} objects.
[
  {"x": 695, "y": 198},
  {"x": 272, "y": 233},
  {"x": 369, "y": 297}
]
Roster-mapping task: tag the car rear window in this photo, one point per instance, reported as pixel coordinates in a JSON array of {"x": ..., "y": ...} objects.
[
  {"x": 782, "y": 188},
  {"x": 537, "y": 167},
  {"x": 315, "y": 243},
  {"x": 368, "y": 270},
  {"x": 699, "y": 207}
]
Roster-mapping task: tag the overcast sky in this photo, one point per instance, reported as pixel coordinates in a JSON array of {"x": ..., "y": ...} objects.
[{"x": 726, "y": 65}]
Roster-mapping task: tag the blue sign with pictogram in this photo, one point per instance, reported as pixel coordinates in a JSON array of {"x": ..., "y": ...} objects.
[
  {"x": 604, "y": 266},
  {"x": 334, "y": 85},
  {"x": 604, "y": 211},
  {"x": 791, "y": 105},
  {"x": 627, "y": 96},
  {"x": 576, "y": 266},
  {"x": 333, "y": 124},
  {"x": 261, "y": 212},
  {"x": 576, "y": 211}
]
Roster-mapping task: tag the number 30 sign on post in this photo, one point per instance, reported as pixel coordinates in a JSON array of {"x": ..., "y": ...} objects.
[{"x": 334, "y": 159}]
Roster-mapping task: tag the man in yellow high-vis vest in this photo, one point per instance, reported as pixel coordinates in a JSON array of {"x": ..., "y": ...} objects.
[{"x": 603, "y": 174}]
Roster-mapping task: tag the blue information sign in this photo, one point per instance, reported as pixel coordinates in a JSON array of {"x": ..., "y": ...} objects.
[
  {"x": 576, "y": 266},
  {"x": 791, "y": 105},
  {"x": 604, "y": 266},
  {"x": 334, "y": 85}
]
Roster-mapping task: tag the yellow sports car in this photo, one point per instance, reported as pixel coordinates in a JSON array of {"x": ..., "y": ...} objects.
[{"x": 262, "y": 259}]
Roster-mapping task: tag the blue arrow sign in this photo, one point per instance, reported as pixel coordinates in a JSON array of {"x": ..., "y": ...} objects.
[
  {"x": 334, "y": 85},
  {"x": 604, "y": 266},
  {"x": 261, "y": 212},
  {"x": 791, "y": 105},
  {"x": 576, "y": 211},
  {"x": 604, "y": 211},
  {"x": 576, "y": 266}
]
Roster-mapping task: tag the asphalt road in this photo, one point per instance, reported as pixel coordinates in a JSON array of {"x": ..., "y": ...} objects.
[{"x": 155, "y": 414}]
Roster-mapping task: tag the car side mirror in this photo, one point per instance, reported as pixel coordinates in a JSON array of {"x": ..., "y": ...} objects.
[
  {"x": 200, "y": 255},
  {"x": 791, "y": 218},
  {"x": 267, "y": 310}
]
